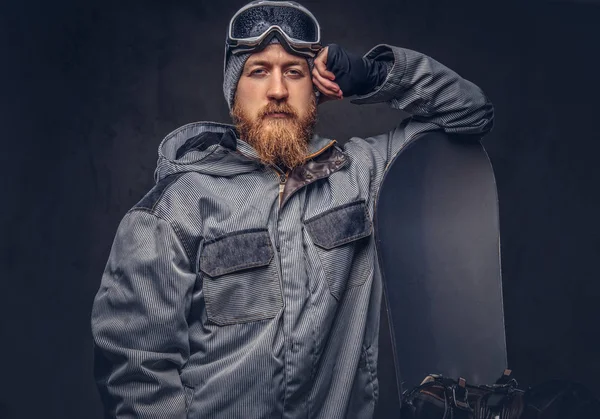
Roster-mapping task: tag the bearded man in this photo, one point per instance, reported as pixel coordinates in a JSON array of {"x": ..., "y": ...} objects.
[{"x": 245, "y": 284}]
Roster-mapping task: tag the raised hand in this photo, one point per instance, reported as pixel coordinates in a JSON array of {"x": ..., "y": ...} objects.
[{"x": 323, "y": 79}]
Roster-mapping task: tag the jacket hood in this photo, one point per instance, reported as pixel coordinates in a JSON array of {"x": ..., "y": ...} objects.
[{"x": 226, "y": 157}]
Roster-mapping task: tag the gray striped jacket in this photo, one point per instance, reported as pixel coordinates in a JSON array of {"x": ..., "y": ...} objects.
[{"x": 223, "y": 298}]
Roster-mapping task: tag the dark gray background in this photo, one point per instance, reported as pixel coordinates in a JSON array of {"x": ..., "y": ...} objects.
[{"x": 88, "y": 89}]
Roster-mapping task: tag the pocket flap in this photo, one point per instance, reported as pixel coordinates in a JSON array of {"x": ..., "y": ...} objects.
[
  {"x": 236, "y": 251},
  {"x": 339, "y": 225}
]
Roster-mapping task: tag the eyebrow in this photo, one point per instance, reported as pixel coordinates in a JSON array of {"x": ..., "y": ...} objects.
[{"x": 266, "y": 63}]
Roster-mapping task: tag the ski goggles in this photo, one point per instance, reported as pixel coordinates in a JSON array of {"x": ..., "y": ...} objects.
[{"x": 255, "y": 24}]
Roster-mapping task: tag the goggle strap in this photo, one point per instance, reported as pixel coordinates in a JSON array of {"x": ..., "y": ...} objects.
[{"x": 307, "y": 49}]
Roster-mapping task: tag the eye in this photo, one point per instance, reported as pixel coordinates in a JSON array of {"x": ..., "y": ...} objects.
[
  {"x": 258, "y": 72},
  {"x": 295, "y": 73}
]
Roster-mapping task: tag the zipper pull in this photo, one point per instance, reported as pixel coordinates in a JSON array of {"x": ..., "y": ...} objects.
[{"x": 282, "y": 180}]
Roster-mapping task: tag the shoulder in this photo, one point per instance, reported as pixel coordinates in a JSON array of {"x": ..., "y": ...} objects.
[
  {"x": 170, "y": 201},
  {"x": 173, "y": 197},
  {"x": 151, "y": 200}
]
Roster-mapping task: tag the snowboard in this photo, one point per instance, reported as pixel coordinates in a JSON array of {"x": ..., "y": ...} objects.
[{"x": 437, "y": 232}]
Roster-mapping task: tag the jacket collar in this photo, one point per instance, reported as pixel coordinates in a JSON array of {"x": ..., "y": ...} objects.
[
  {"x": 321, "y": 164},
  {"x": 316, "y": 146},
  {"x": 220, "y": 159}
]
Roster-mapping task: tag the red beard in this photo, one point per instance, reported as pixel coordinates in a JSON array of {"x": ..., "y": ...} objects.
[{"x": 278, "y": 141}]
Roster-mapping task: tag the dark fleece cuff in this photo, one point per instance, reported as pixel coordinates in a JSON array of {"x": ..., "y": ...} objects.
[{"x": 354, "y": 74}]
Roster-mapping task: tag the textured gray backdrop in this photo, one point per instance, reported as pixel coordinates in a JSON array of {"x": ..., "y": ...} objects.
[{"x": 88, "y": 89}]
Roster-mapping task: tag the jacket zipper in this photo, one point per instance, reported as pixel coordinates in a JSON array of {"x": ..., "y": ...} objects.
[{"x": 282, "y": 181}]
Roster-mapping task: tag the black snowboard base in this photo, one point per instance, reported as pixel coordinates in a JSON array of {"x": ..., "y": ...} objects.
[{"x": 439, "y": 248}]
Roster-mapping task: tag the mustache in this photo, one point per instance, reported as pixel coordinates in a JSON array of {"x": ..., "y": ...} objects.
[{"x": 277, "y": 108}]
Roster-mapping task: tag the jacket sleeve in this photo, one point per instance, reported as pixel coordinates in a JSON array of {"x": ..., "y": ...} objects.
[
  {"x": 139, "y": 321},
  {"x": 434, "y": 95}
]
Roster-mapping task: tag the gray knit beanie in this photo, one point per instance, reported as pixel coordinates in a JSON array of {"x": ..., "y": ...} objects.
[{"x": 234, "y": 64}]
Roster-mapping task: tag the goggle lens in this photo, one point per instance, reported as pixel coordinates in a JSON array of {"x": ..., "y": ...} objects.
[{"x": 254, "y": 21}]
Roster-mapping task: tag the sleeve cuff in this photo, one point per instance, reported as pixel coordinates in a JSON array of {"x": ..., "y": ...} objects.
[{"x": 393, "y": 83}]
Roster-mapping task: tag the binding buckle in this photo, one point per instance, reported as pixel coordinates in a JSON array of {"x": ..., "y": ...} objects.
[{"x": 460, "y": 394}]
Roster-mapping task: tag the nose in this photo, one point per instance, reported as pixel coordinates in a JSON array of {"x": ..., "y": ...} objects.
[{"x": 277, "y": 88}]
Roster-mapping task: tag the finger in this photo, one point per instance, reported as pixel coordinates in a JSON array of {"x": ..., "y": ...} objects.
[
  {"x": 322, "y": 55},
  {"x": 328, "y": 84},
  {"x": 322, "y": 69},
  {"x": 321, "y": 88},
  {"x": 325, "y": 82},
  {"x": 321, "y": 63},
  {"x": 325, "y": 90},
  {"x": 323, "y": 52}
]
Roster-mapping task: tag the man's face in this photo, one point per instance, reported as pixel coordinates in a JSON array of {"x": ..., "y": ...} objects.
[{"x": 275, "y": 105}]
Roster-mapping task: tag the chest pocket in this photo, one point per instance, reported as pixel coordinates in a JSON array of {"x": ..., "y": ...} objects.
[
  {"x": 241, "y": 281},
  {"x": 341, "y": 236}
]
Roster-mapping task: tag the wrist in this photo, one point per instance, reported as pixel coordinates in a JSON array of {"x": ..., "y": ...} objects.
[{"x": 355, "y": 74}]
